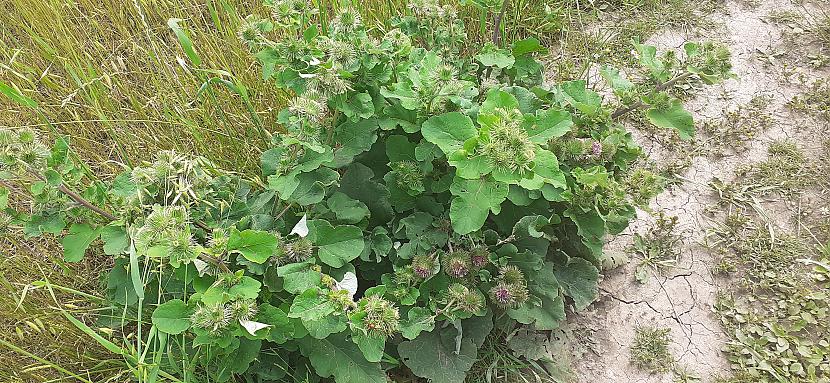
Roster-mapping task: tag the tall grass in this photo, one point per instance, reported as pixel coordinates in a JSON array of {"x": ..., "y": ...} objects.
[{"x": 111, "y": 75}]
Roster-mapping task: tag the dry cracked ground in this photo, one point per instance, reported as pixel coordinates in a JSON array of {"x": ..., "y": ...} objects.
[{"x": 771, "y": 60}]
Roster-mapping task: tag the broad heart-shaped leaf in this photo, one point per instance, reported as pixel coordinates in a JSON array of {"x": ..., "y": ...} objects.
[
  {"x": 312, "y": 305},
  {"x": 353, "y": 138},
  {"x": 340, "y": 358},
  {"x": 674, "y": 117},
  {"x": 580, "y": 97},
  {"x": 473, "y": 202},
  {"x": 172, "y": 317},
  {"x": 528, "y": 45},
  {"x": 116, "y": 240},
  {"x": 432, "y": 355},
  {"x": 591, "y": 227},
  {"x": 281, "y": 327},
  {"x": 649, "y": 59},
  {"x": 347, "y": 209},
  {"x": 77, "y": 241},
  {"x": 311, "y": 187},
  {"x": 355, "y": 106},
  {"x": 497, "y": 99},
  {"x": 371, "y": 346},
  {"x": 548, "y": 124},
  {"x": 418, "y": 319},
  {"x": 322, "y": 328},
  {"x": 472, "y": 168},
  {"x": 578, "y": 279},
  {"x": 336, "y": 246},
  {"x": 256, "y": 246},
  {"x": 548, "y": 311},
  {"x": 547, "y": 167},
  {"x": 492, "y": 56},
  {"x": 298, "y": 277},
  {"x": 449, "y": 131},
  {"x": 399, "y": 148}
]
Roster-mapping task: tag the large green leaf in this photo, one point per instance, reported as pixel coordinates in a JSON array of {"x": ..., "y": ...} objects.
[
  {"x": 418, "y": 319},
  {"x": 550, "y": 124},
  {"x": 336, "y": 246},
  {"x": 449, "y": 131},
  {"x": 474, "y": 199},
  {"x": 673, "y": 117},
  {"x": 341, "y": 359},
  {"x": 353, "y": 138},
  {"x": 580, "y": 97},
  {"x": 255, "y": 245},
  {"x": 432, "y": 355},
  {"x": 578, "y": 279},
  {"x": 172, "y": 317},
  {"x": 312, "y": 305},
  {"x": 78, "y": 240},
  {"x": 347, "y": 209}
]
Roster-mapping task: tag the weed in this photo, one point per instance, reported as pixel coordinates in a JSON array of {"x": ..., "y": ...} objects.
[
  {"x": 658, "y": 249},
  {"x": 786, "y": 170},
  {"x": 650, "y": 349},
  {"x": 736, "y": 129},
  {"x": 815, "y": 100}
]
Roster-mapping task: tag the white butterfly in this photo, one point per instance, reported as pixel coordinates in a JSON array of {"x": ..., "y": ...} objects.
[
  {"x": 349, "y": 283},
  {"x": 201, "y": 266},
  {"x": 252, "y": 327},
  {"x": 301, "y": 228}
]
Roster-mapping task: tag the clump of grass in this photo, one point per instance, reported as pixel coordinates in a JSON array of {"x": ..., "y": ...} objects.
[
  {"x": 733, "y": 132},
  {"x": 786, "y": 170},
  {"x": 658, "y": 249},
  {"x": 822, "y": 30},
  {"x": 815, "y": 100},
  {"x": 650, "y": 350}
]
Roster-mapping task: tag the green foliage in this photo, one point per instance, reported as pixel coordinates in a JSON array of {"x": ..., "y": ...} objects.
[
  {"x": 650, "y": 349},
  {"x": 412, "y": 191}
]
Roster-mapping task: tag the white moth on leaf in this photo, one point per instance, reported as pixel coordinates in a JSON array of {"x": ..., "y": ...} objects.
[
  {"x": 301, "y": 228},
  {"x": 252, "y": 327},
  {"x": 349, "y": 283}
]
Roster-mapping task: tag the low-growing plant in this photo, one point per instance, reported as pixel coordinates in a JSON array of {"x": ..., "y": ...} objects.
[
  {"x": 658, "y": 249},
  {"x": 413, "y": 202},
  {"x": 650, "y": 349}
]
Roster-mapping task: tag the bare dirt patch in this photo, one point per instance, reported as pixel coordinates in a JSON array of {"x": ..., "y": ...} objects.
[{"x": 769, "y": 60}]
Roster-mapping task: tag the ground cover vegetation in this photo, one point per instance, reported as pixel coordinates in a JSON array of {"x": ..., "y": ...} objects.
[{"x": 416, "y": 197}]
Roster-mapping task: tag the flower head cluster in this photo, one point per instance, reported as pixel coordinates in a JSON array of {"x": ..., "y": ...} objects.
[
  {"x": 296, "y": 251},
  {"x": 510, "y": 290},
  {"x": 166, "y": 226},
  {"x": 377, "y": 316},
  {"x": 346, "y": 23},
  {"x": 509, "y": 146},
  {"x": 465, "y": 299},
  {"x": 21, "y": 151},
  {"x": 408, "y": 176},
  {"x": 289, "y": 13},
  {"x": 425, "y": 266},
  {"x": 252, "y": 31},
  {"x": 341, "y": 299},
  {"x": 215, "y": 318},
  {"x": 173, "y": 179},
  {"x": 456, "y": 264},
  {"x": 310, "y": 109}
]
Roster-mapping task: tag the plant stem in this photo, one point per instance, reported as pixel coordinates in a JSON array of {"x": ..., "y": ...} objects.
[
  {"x": 639, "y": 104},
  {"x": 77, "y": 198},
  {"x": 497, "y": 26}
]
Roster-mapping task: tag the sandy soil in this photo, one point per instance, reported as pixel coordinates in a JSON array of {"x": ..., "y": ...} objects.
[{"x": 682, "y": 298}]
